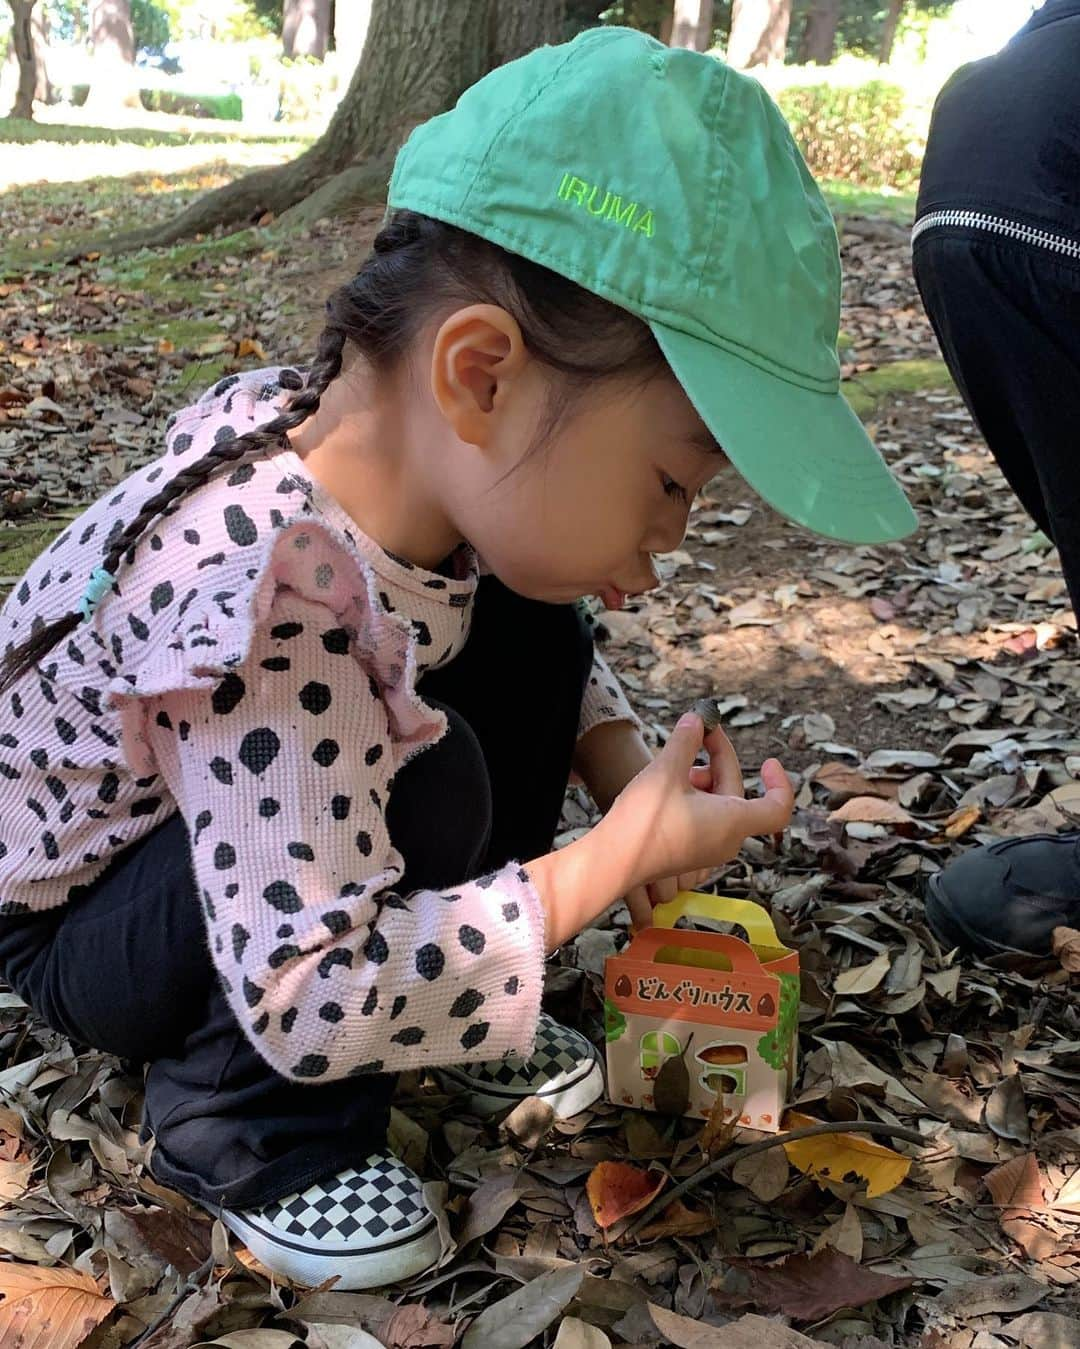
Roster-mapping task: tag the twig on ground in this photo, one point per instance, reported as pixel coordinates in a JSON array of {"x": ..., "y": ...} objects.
[
  {"x": 191, "y": 1284},
  {"x": 858, "y": 1126}
]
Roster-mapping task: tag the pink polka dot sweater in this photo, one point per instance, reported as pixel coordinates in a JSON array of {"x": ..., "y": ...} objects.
[{"x": 255, "y": 670}]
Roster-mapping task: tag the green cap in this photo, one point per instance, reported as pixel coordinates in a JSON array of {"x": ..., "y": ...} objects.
[{"x": 669, "y": 184}]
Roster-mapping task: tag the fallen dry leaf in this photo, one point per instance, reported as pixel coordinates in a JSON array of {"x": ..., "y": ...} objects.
[
  {"x": 1044, "y": 1330},
  {"x": 677, "y": 1221},
  {"x": 48, "y": 1308},
  {"x": 863, "y": 978},
  {"x": 1067, "y": 948},
  {"x": 1017, "y": 1183},
  {"x": 960, "y": 821},
  {"x": 577, "y": 1334},
  {"x": 834, "y": 1156},
  {"x": 616, "y": 1190},
  {"x": 525, "y": 1313},
  {"x": 873, "y": 810},
  {"x": 812, "y": 1287},
  {"x": 748, "y": 1332}
]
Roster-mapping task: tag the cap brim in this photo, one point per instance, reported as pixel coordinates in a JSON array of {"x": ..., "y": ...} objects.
[{"x": 806, "y": 453}]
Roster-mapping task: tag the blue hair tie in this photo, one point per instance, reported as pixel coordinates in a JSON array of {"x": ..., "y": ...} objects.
[{"x": 98, "y": 586}]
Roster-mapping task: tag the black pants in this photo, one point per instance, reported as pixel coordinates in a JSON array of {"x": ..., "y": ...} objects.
[
  {"x": 1007, "y": 317},
  {"x": 227, "y": 1128}
]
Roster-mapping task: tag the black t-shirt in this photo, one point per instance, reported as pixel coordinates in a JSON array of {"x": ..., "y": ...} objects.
[{"x": 1005, "y": 135}]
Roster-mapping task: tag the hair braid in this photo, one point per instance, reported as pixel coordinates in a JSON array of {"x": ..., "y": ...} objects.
[
  {"x": 418, "y": 268},
  {"x": 324, "y": 369}
]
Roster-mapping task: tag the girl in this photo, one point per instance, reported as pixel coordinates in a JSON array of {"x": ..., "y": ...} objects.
[{"x": 283, "y": 760}]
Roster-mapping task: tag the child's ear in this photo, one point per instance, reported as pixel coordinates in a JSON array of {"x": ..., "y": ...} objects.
[{"x": 477, "y": 352}]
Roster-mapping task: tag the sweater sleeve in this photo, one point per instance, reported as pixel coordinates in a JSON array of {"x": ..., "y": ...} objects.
[
  {"x": 604, "y": 699},
  {"x": 282, "y": 772}
]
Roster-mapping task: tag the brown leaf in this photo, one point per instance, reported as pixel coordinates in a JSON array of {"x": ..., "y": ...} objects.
[
  {"x": 1067, "y": 948},
  {"x": 182, "y": 1241},
  {"x": 842, "y": 782},
  {"x": 671, "y": 1089},
  {"x": 1044, "y": 1330},
  {"x": 1006, "y": 1111},
  {"x": 748, "y": 1332},
  {"x": 1017, "y": 1183},
  {"x": 48, "y": 1308},
  {"x": 873, "y": 810},
  {"x": 677, "y": 1221},
  {"x": 765, "y": 1174},
  {"x": 812, "y": 1287}
]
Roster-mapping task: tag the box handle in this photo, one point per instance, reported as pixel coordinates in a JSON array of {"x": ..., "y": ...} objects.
[
  {"x": 645, "y": 945},
  {"x": 723, "y": 909}
]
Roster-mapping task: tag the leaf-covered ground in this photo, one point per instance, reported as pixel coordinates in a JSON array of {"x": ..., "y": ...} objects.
[{"x": 923, "y": 693}]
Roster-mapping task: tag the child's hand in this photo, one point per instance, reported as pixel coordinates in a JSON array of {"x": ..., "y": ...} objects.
[
  {"x": 644, "y": 898},
  {"x": 679, "y": 821}
]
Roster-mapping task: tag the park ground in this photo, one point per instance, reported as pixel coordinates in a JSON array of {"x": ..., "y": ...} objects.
[{"x": 924, "y": 694}]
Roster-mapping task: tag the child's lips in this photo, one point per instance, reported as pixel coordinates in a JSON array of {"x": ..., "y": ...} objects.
[{"x": 612, "y": 597}]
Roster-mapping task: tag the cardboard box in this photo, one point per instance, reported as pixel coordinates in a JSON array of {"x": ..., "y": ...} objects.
[{"x": 735, "y": 1002}]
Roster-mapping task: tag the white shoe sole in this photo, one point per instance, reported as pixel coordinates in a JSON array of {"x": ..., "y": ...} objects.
[
  {"x": 384, "y": 1261},
  {"x": 571, "y": 1098}
]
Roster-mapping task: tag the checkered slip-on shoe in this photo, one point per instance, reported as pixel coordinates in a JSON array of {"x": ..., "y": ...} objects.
[
  {"x": 564, "y": 1069},
  {"x": 370, "y": 1227}
]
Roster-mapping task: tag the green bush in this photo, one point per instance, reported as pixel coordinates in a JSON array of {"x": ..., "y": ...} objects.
[
  {"x": 226, "y": 107},
  {"x": 862, "y": 133}
]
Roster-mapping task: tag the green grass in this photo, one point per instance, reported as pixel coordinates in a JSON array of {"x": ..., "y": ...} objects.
[
  {"x": 866, "y": 392},
  {"x": 18, "y": 132},
  {"x": 886, "y": 203}
]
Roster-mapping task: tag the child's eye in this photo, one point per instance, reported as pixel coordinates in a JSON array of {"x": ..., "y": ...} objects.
[{"x": 673, "y": 489}]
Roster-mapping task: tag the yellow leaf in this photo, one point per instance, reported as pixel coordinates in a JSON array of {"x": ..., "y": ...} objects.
[
  {"x": 165, "y": 346},
  {"x": 48, "y": 1308},
  {"x": 834, "y": 1156},
  {"x": 616, "y": 1190},
  {"x": 960, "y": 821},
  {"x": 250, "y": 346}
]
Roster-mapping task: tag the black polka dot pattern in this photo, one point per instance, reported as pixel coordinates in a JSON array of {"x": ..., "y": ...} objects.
[{"x": 262, "y": 693}]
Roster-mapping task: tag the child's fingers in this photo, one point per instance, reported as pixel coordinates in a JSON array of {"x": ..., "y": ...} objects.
[
  {"x": 660, "y": 892},
  {"x": 684, "y": 741},
  {"x": 769, "y": 814},
  {"x": 701, "y": 778},
  {"x": 724, "y": 765},
  {"x": 637, "y": 901}
]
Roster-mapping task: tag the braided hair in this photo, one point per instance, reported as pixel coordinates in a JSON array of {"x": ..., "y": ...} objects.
[{"x": 419, "y": 268}]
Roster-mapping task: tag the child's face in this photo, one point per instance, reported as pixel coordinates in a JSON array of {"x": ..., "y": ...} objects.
[{"x": 584, "y": 514}]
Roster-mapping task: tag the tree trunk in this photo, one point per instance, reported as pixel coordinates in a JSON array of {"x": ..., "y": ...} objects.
[
  {"x": 522, "y": 25},
  {"x": 419, "y": 57},
  {"x": 112, "y": 84},
  {"x": 888, "y": 32},
  {"x": 306, "y": 27},
  {"x": 39, "y": 28},
  {"x": 818, "y": 41},
  {"x": 692, "y": 25},
  {"x": 351, "y": 20},
  {"x": 759, "y": 30},
  {"x": 22, "y": 41}
]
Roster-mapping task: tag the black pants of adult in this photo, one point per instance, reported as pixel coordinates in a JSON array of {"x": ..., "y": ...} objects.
[
  {"x": 1007, "y": 317},
  {"x": 127, "y": 970}
]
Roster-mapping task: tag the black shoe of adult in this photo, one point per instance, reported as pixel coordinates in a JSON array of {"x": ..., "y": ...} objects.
[{"x": 1007, "y": 898}]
